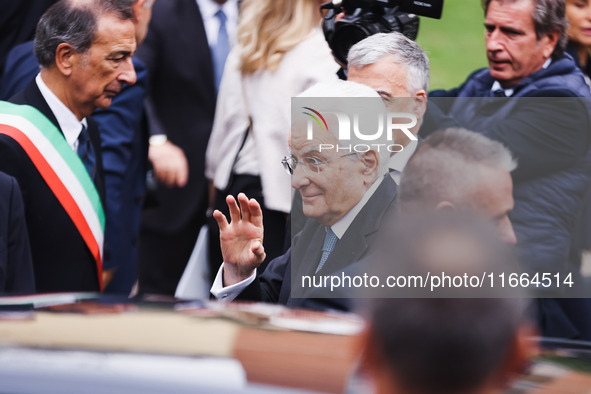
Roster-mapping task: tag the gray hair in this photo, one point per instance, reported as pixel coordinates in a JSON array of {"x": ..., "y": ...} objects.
[
  {"x": 548, "y": 16},
  {"x": 446, "y": 164},
  {"x": 341, "y": 92},
  {"x": 75, "y": 23},
  {"x": 403, "y": 50}
]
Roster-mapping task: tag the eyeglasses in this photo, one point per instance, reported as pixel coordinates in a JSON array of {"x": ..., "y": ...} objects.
[{"x": 310, "y": 165}]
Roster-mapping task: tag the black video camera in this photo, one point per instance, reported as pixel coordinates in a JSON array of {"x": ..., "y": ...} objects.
[{"x": 364, "y": 18}]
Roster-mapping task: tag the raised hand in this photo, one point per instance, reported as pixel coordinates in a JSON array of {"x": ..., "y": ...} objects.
[{"x": 241, "y": 239}]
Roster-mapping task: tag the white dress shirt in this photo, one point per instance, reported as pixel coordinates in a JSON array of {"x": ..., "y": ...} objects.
[
  {"x": 69, "y": 123},
  {"x": 509, "y": 92},
  {"x": 229, "y": 293}
]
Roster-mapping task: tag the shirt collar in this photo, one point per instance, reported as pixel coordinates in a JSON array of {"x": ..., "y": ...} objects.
[
  {"x": 399, "y": 159},
  {"x": 497, "y": 86},
  {"x": 342, "y": 225},
  {"x": 208, "y": 8},
  {"x": 68, "y": 122},
  {"x": 509, "y": 92}
]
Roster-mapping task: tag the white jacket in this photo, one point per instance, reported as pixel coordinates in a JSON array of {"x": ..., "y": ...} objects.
[{"x": 269, "y": 100}]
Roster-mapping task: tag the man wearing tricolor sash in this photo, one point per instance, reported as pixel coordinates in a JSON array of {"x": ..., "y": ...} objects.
[{"x": 51, "y": 146}]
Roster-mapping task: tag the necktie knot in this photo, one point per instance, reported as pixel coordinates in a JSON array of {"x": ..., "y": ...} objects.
[
  {"x": 82, "y": 139},
  {"x": 221, "y": 16},
  {"x": 86, "y": 151}
]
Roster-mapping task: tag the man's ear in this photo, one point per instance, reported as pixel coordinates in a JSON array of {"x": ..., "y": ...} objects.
[
  {"x": 445, "y": 206},
  {"x": 65, "y": 57},
  {"x": 549, "y": 42},
  {"x": 420, "y": 104},
  {"x": 371, "y": 161},
  {"x": 136, "y": 9}
]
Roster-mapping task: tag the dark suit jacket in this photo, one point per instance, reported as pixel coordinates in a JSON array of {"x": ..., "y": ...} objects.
[
  {"x": 21, "y": 68},
  {"x": 125, "y": 154},
  {"x": 16, "y": 266},
  {"x": 181, "y": 104},
  {"x": 275, "y": 284},
  {"x": 61, "y": 259}
]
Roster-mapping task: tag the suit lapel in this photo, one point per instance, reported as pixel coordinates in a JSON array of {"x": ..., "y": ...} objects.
[
  {"x": 32, "y": 96},
  {"x": 307, "y": 248},
  {"x": 355, "y": 242},
  {"x": 188, "y": 13}
]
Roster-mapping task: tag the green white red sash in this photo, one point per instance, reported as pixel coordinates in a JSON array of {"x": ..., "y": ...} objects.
[{"x": 62, "y": 170}]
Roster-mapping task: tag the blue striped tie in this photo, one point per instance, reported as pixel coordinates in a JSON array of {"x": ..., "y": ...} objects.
[
  {"x": 221, "y": 49},
  {"x": 330, "y": 240}
]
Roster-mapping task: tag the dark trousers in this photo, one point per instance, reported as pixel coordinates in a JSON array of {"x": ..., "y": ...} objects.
[
  {"x": 162, "y": 258},
  {"x": 274, "y": 222}
]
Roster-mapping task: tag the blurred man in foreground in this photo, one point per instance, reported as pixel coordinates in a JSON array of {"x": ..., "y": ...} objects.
[{"x": 446, "y": 345}]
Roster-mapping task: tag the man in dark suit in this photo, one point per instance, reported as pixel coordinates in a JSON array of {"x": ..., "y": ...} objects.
[
  {"x": 345, "y": 196},
  {"x": 81, "y": 70},
  {"x": 124, "y": 148},
  {"x": 16, "y": 267},
  {"x": 395, "y": 66},
  {"x": 180, "y": 110}
]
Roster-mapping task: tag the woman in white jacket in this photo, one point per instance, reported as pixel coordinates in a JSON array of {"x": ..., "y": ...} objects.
[{"x": 280, "y": 53}]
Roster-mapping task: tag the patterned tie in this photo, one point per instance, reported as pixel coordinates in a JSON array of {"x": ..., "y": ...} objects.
[
  {"x": 86, "y": 152},
  {"x": 221, "y": 49},
  {"x": 330, "y": 240}
]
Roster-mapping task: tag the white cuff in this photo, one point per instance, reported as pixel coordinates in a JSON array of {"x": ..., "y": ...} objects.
[{"x": 229, "y": 293}]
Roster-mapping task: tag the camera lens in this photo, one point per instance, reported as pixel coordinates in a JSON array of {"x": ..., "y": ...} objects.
[
  {"x": 352, "y": 29},
  {"x": 359, "y": 23},
  {"x": 347, "y": 35}
]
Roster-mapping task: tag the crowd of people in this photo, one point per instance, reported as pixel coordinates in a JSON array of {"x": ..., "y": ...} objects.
[{"x": 129, "y": 125}]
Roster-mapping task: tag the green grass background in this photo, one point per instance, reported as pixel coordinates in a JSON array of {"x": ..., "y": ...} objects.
[{"x": 454, "y": 43}]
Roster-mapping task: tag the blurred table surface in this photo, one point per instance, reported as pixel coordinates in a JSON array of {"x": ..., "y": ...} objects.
[
  {"x": 97, "y": 346},
  {"x": 227, "y": 346}
]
